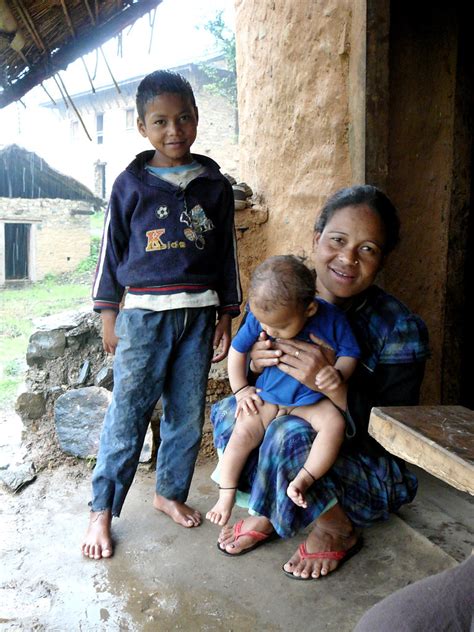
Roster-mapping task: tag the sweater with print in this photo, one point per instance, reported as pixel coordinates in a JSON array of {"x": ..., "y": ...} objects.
[{"x": 162, "y": 239}]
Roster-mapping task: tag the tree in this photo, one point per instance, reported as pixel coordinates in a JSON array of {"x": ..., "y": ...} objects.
[{"x": 223, "y": 83}]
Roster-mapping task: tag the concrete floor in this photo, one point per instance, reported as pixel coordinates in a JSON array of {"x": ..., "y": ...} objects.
[{"x": 164, "y": 577}]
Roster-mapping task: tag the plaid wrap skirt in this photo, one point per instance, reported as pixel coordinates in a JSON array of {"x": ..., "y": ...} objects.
[{"x": 367, "y": 487}]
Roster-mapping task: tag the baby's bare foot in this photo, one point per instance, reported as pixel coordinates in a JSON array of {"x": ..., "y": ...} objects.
[
  {"x": 222, "y": 510},
  {"x": 296, "y": 495},
  {"x": 97, "y": 542},
  {"x": 181, "y": 513}
]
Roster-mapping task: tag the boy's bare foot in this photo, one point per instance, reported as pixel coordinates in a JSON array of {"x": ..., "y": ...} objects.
[
  {"x": 333, "y": 532},
  {"x": 298, "y": 486},
  {"x": 220, "y": 513},
  {"x": 98, "y": 540},
  {"x": 233, "y": 546},
  {"x": 177, "y": 511}
]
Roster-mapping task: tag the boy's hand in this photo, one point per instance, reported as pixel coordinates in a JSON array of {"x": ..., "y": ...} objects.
[
  {"x": 328, "y": 379},
  {"x": 109, "y": 339},
  {"x": 222, "y": 337}
]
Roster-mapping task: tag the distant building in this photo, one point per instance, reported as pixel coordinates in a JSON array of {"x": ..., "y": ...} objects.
[
  {"x": 109, "y": 119},
  {"x": 44, "y": 218}
]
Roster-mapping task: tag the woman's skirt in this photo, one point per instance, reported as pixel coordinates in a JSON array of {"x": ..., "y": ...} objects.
[{"x": 367, "y": 487}]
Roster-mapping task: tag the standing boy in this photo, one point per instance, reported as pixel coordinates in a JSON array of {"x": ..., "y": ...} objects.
[{"x": 169, "y": 239}]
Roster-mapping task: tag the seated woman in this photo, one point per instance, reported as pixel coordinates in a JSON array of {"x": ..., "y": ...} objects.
[{"x": 354, "y": 232}]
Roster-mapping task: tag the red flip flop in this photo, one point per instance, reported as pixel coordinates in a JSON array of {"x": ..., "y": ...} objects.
[
  {"x": 259, "y": 537},
  {"x": 341, "y": 556}
]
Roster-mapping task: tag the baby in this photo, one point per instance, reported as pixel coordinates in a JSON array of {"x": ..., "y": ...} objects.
[{"x": 282, "y": 303}]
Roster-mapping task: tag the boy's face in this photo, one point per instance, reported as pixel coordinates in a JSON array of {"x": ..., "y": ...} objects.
[
  {"x": 283, "y": 321},
  {"x": 170, "y": 125}
]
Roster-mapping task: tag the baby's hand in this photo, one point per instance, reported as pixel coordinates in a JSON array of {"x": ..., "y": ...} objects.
[
  {"x": 328, "y": 379},
  {"x": 247, "y": 401}
]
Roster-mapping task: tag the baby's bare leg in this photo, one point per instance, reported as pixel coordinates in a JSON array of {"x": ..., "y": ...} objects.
[
  {"x": 329, "y": 423},
  {"x": 247, "y": 435}
]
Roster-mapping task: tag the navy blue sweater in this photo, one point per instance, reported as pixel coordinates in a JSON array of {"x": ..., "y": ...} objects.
[{"x": 161, "y": 239}]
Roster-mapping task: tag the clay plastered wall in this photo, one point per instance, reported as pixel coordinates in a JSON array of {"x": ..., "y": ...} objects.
[
  {"x": 60, "y": 232},
  {"x": 420, "y": 170},
  {"x": 293, "y": 64}
]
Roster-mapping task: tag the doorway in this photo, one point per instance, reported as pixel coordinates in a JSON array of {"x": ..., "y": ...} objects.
[{"x": 17, "y": 241}]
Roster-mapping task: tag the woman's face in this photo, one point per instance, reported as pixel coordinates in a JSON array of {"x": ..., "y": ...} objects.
[{"x": 348, "y": 253}]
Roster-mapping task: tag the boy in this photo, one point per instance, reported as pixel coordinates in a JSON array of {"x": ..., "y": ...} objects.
[{"x": 169, "y": 239}]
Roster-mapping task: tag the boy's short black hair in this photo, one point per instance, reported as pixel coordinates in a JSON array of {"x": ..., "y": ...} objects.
[{"x": 157, "y": 83}]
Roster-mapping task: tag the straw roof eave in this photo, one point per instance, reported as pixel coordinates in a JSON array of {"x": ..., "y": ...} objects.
[{"x": 69, "y": 34}]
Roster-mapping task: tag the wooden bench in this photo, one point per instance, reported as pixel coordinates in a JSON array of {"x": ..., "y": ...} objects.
[{"x": 438, "y": 439}]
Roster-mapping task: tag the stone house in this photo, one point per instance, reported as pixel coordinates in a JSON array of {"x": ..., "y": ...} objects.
[
  {"x": 44, "y": 218},
  {"x": 102, "y": 130}
]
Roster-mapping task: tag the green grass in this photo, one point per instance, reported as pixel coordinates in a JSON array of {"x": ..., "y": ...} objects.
[
  {"x": 20, "y": 306},
  {"x": 97, "y": 223}
]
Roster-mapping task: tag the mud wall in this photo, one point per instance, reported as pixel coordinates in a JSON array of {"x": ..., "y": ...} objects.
[{"x": 296, "y": 130}]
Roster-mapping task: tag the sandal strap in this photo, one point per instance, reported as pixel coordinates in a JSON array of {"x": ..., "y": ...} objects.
[
  {"x": 324, "y": 555},
  {"x": 257, "y": 535}
]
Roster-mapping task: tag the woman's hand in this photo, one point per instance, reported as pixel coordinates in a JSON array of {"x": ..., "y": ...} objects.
[
  {"x": 248, "y": 401},
  {"x": 303, "y": 360},
  {"x": 263, "y": 354}
]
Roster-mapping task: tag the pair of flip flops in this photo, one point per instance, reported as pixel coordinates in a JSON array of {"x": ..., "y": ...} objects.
[
  {"x": 340, "y": 556},
  {"x": 258, "y": 536}
]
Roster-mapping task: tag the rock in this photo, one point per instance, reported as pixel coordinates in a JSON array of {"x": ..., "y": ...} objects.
[
  {"x": 105, "y": 378},
  {"x": 45, "y": 345},
  {"x": 78, "y": 416},
  {"x": 30, "y": 405},
  {"x": 17, "y": 476},
  {"x": 84, "y": 373}
]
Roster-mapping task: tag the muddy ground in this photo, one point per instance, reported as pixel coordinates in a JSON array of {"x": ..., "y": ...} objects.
[{"x": 164, "y": 577}]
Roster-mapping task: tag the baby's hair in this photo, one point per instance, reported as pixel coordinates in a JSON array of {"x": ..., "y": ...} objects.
[
  {"x": 159, "y": 82},
  {"x": 280, "y": 281}
]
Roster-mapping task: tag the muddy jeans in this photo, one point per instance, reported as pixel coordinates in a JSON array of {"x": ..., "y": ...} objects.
[{"x": 159, "y": 354}]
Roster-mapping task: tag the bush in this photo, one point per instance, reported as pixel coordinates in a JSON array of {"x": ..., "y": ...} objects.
[{"x": 89, "y": 264}]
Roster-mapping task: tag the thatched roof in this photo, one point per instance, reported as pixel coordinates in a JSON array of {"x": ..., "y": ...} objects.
[
  {"x": 23, "y": 174},
  {"x": 40, "y": 37}
]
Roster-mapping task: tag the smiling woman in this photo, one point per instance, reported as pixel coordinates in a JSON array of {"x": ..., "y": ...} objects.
[{"x": 355, "y": 231}]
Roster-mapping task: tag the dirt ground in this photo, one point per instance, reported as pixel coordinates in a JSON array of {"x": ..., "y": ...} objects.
[{"x": 163, "y": 577}]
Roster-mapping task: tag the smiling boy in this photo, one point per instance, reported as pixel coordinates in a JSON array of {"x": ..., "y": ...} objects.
[{"x": 169, "y": 239}]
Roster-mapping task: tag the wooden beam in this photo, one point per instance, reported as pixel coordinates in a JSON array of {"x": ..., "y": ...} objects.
[
  {"x": 439, "y": 439},
  {"x": 68, "y": 18},
  {"x": 71, "y": 51}
]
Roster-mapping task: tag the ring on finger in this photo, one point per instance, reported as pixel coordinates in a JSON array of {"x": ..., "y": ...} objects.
[{"x": 297, "y": 354}]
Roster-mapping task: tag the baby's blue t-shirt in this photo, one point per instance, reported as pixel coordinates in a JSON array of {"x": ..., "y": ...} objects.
[{"x": 329, "y": 323}]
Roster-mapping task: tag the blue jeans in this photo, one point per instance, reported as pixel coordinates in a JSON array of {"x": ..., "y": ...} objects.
[{"x": 159, "y": 354}]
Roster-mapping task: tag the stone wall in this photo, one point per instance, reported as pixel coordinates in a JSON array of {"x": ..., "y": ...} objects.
[
  {"x": 69, "y": 377},
  {"x": 59, "y": 234}
]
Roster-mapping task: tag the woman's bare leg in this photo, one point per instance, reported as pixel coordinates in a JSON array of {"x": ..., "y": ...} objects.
[{"x": 333, "y": 531}]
